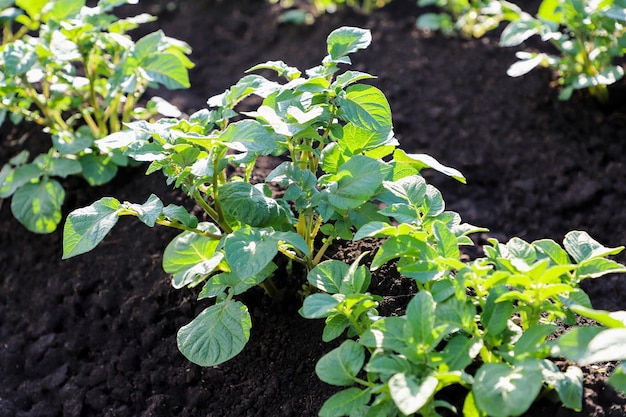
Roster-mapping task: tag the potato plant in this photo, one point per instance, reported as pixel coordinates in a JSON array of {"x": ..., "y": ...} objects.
[
  {"x": 485, "y": 325},
  {"x": 74, "y": 71},
  {"x": 589, "y": 38}
]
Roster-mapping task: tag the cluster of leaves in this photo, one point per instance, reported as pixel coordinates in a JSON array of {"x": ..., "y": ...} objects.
[
  {"x": 301, "y": 14},
  {"x": 74, "y": 70},
  {"x": 589, "y": 38},
  {"x": 333, "y": 130},
  {"x": 469, "y": 18},
  {"x": 483, "y": 324},
  {"x": 587, "y": 35}
]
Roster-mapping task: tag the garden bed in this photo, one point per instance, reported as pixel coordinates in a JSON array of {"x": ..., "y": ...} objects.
[{"x": 96, "y": 335}]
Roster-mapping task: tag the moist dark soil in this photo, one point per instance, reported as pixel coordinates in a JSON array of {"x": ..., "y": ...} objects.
[{"x": 96, "y": 335}]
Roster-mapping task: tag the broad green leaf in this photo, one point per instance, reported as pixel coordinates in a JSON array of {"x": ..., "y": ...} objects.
[
  {"x": 318, "y": 305},
  {"x": 86, "y": 227},
  {"x": 597, "y": 267},
  {"x": 71, "y": 143},
  {"x": 19, "y": 58},
  {"x": 583, "y": 247},
  {"x": 420, "y": 314},
  {"x": 167, "y": 69},
  {"x": 346, "y": 40},
  {"x": 386, "y": 333},
  {"x": 495, "y": 315},
  {"x": 293, "y": 239},
  {"x": 247, "y": 204},
  {"x": 63, "y": 167},
  {"x": 433, "y": 204},
  {"x": 409, "y": 393},
  {"x": 17, "y": 177},
  {"x": 253, "y": 136},
  {"x": 366, "y": 107},
  {"x": 356, "y": 181},
  {"x": 470, "y": 409},
  {"x": 248, "y": 251},
  {"x": 218, "y": 334},
  {"x": 97, "y": 169},
  {"x": 552, "y": 250},
  {"x": 618, "y": 379},
  {"x": 350, "y": 77},
  {"x": 501, "y": 391},
  {"x": 573, "y": 344},
  {"x": 345, "y": 403},
  {"x": 66, "y": 9},
  {"x": 446, "y": 241},
  {"x": 612, "y": 319},
  {"x": 518, "y": 31},
  {"x": 568, "y": 384},
  {"x": 357, "y": 140},
  {"x": 532, "y": 340},
  {"x": 526, "y": 63},
  {"x": 190, "y": 256},
  {"x": 38, "y": 205},
  {"x": 149, "y": 211},
  {"x": 335, "y": 326},
  {"x": 422, "y": 161},
  {"x": 239, "y": 285},
  {"x": 606, "y": 346},
  {"x": 551, "y": 10},
  {"x": 411, "y": 189},
  {"x": 148, "y": 45},
  {"x": 328, "y": 275},
  {"x": 460, "y": 352},
  {"x": 180, "y": 214},
  {"x": 341, "y": 365},
  {"x": 32, "y": 7}
]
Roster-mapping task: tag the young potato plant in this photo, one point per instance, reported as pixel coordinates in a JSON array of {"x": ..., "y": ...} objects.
[
  {"x": 73, "y": 70},
  {"x": 483, "y": 325},
  {"x": 335, "y": 136},
  {"x": 589, "y": 38},
  {"x": 301, "y": 15},
  {"x": 469, "y": 18}
]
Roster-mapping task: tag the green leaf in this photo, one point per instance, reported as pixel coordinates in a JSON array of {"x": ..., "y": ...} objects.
[
  {"x": 532, "y": 340},
  {"x": 148, "y": 45},
  {"x": 97, "y": 169},
  {"x": 356, "y": 181},
  {"x": 248, "y": 251},
  {"x": 167, "y": 69},
  {"x": 345, "y": 403},
  {"x": 500, "y": 390},
  {"x": 248, "y": 204},
  {"x": 551, "y": 249},
  {"x": 597, "y": 267},
  {"x": 409, "y": 393},
  {"x": 190, "y": 256},
  {"x": 613, "y": 319},
  {"x": 149, "y": 211},
  {"x": 568, "y": 384},
  {"x": 17, "y": 177},
  {"x": 518, "y": 31},
  {"x": 180, "y": 214},
  {"x": 86, "y": 227},
  {"x": 328, "y": 276},
  {"x": 495, "y": 315},
  {"x": 32, "y": 7},
  {"x": 253, "y": 137},
  {"x": 387, "y": 333},
  {"x": 411, "y": 189},
  {"x": 341, "y": 365},
  {"x": 218, "y": 334},
  {"x": 239, "y": 285},
  {"x": 618, "y": 379},
  {"x": 446, "y": 241},
  {"x": 282, "y": 69},
  {"x": 606, "y": 346},
  {"x": 420, "y": 314},
  {"x": 583, "y": 247},
  {"x": 346, "y": 40},
  {"x": 38, "y": 205},
  {"x": 318, "y": 305},
  {"x": 573, "y": 344},
  {"x": 65, "y": 9},
  {"x": 71, "y": 143},
  {"x": 422, "y": 161},
  {"x": 366, "y": 107}
]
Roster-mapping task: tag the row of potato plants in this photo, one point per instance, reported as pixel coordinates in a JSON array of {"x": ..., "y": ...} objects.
[
  {"x": 75, "y": 71},
  {"x": 487, "y": 325},
  {"x": 588, "y": 37}
]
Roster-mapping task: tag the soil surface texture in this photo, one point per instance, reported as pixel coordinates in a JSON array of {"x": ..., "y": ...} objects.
[{"x": 96, "y": 335}]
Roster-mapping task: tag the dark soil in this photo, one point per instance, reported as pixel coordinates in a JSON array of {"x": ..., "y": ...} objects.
[{"x": 96, "y": 335}]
